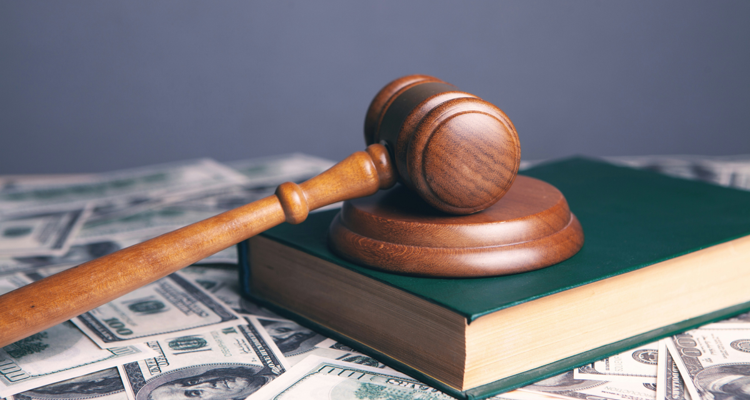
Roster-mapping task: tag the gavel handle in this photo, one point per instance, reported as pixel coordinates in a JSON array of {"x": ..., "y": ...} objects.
[{"x": 57, "y": 298}]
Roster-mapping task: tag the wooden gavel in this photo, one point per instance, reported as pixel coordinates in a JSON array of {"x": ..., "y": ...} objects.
[{"x": 458, "y": 152}]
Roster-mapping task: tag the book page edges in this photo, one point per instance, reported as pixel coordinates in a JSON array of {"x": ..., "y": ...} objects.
[
  {"x": 608, "y": 311},
  {"x": 430, "y": 337},
  {"x": 708, "y": 285}
]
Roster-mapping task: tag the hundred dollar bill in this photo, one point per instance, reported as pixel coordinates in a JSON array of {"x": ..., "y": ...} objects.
[
  {"x": 171, "y": 211},
  {"x": 78, "y": 253},
  {"x": 567, "y": 387},
  {"x": 669, "y": 383},
  {"x": 101, "y": 385},
  {"x": 162, "y": 308},
  {"x": 317, "y": 378},
  {"x": 356, "y": 358},
  {"x": 58, "y": 353},
  {"x": 715, "y": 363},
  {"x": 637, "y": 365},
  {"x": 133, "y": 185},
  {"x": 251, "y": 308},
  {"x": 55, "y": 354},
  {"x": 223, "y": 283},
  {"x": 166, "y": 214},
  {"x": 291, "y": 338},
  {"x": 275, "y": 170},
  {"x": 521, "y": 395},
  {"x": 561, "y": 384},
  {"x": 228, "y": 363},
  {"x": 16, "y": 182},
  {"x": 297, "y": 342},
  {"x": 46, "y": 232},
  {"x": 260, "y": 178},
  {"x": 613, "y": 391},
  {"x": 738, "y": 320},
  {"x": 121, "y": 221},
  {"x": 13, "y": 281},
  {"x": 350, "y": 355}
]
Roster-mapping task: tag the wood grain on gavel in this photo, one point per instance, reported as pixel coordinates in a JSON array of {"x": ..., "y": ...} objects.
[
  {"x": 459, "y": 153},
  {"x": 57, "y": 298}
]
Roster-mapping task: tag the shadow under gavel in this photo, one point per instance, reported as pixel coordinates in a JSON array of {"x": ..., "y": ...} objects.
[{"x": 458, "y": 152}]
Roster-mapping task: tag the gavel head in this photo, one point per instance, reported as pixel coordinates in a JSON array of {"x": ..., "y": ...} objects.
[{"x": 459, "y": 152}]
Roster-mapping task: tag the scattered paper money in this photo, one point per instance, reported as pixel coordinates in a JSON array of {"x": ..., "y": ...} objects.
[
  {"x": 162, "y": 308},
  {"x": 230, "y": 355},
  {"x": 273, "y": 171},
  {"x": 171, "y": 214},
  {"x": 229, "y": 363},
  {"x": 297, "y": 343},
  {"x": 566, "y": 386},
  {"x": 78, "y": 253},
  {"x": 58, "y": 353},
  {"x": 636, "y": 365},
  {"x": 14, "y": 281},
  {"x": 291, "y": 338},
  {"x": 130, "y": 186},
  {"x": 714, "y": 363},
  {"x": 223, "y": 283},
  {"x": 669, "y": 383},
  {"x": 562, "y": 383},
  {"x": 325, "y": 379},
  {"x": 521, "y": 395},
  {"x": 740, "y": 319},
  {"x": 16, "y": 182},
  {"x": 101, "y": 385},
  {"x": 43, "y": 232}
]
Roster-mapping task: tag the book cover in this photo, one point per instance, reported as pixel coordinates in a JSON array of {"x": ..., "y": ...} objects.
[{"x": 631, "y": 219}]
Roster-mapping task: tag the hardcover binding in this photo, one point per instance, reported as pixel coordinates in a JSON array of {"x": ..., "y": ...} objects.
[
  {"x": 499, "y": 386},
  {"x": 580, "y": 180}
]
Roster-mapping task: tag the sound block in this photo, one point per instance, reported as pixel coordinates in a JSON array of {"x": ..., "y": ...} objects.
[{"x": 529, "y": 228}]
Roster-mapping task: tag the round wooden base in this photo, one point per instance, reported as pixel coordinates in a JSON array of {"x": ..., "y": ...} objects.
[{"x": 531, "y": 227}]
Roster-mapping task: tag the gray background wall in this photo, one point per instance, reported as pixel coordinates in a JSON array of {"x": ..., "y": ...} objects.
[{"x": 102, "y": 85}]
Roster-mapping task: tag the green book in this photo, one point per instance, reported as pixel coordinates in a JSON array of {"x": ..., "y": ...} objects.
[{"x": 661, "y": 255}]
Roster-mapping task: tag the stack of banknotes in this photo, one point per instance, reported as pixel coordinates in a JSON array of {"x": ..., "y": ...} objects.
[{"x": 191, "y": 335}]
